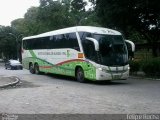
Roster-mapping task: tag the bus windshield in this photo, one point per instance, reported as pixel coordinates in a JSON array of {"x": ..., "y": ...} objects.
[{"x": 112, "y": 49}]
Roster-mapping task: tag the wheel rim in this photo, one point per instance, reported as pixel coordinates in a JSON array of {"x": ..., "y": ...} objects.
[
  {"x": 36, "y": 69},
  {"x": 31, "y": 69},
  {"x": 80, "y": 75}
]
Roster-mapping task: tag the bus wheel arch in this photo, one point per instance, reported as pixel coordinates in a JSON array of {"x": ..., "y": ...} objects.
[
  {"x": 31, "y": 68},
  {"x": 79, "y": 74}
]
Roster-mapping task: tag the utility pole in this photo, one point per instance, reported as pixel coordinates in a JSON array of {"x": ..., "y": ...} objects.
[{"x": 17, "y": 37}]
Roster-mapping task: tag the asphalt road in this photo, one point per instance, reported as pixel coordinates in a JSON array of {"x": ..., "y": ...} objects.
[{"x": 50, "y": 94}]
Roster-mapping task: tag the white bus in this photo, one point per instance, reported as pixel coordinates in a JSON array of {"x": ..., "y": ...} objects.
[{"x": 83, "y": 52}]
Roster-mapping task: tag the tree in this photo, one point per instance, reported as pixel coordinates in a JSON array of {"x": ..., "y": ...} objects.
[
  {"x": 32, "y": 23},
  {"x": 140, "y": 15},
  {"x": 148, "y": 22},
  {"x": 78, "y": 11},
  {"x": 54, "y": 15},
  {"x": 7, "y": 43}
]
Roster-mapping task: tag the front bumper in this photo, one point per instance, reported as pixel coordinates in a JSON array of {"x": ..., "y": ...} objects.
[{"x": 119, "y": 75}]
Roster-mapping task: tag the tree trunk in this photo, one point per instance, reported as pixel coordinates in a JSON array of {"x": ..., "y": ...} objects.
[{"x": 155, "y": 49}]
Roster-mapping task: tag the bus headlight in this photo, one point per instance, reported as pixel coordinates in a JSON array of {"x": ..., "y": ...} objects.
[
  {"x": 100, "y": 69},
  {"x": 128, "y": 68}
]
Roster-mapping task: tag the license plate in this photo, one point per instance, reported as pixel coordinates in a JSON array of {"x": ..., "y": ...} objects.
[{"x": 116, "y": 76}]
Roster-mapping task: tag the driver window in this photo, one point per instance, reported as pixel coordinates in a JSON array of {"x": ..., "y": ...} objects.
[
  {"x": 89, "y": 50},
  {"x": 105, "y": 47}
]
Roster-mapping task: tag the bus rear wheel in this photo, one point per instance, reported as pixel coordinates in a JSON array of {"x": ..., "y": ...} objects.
[
  {"x": 36, "y": 68},
  {"x": 80, "y": 75},
  {"x": 31, "y": 68}
]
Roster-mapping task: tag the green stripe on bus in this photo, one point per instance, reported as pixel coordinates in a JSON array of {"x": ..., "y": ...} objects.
[
  {"x": 66, "y": 67},
  {"x": 32, "y": 53}
]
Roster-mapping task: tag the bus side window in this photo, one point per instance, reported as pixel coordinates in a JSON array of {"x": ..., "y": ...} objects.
[
  {"x": 71, "y": 41},
  {"x": 30, "y": 44},
  {"x": 52, "y": 42},
  {"x": 74, "y": 41},
  {"x": 64, "y": 41},
  {"x": 39, "y": 43},
  {"x": 83, "y": 35},
  {"x": 47, "y": 43},
  {"x": 57, "y": 41},
  {"x": 25, "y": 44}
]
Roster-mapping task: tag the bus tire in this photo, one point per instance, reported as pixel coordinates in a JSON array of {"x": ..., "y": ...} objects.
[
  {"x": 80, "y": 75},
  {"x": 36, "y": 69},
  {"x": 31, "y": 68}
]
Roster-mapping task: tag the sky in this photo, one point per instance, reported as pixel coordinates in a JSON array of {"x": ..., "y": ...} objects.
[{"x": 14, "y": 9}]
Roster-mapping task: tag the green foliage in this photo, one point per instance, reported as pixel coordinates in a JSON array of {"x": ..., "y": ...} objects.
[
  {"x": 151, "y": 67},
  {"x": 142, "y": 54},
  {"x": 28, "y": 25},
  {"x": 78, "y": 12},
  {"x": 134, "y": 66},
  {"x": 125, "y": 15},
  {"x": 7, "y": 43},
  {"x": 90, "y": 19},
  {"x": 78, "y": 6},
  {"x": 52, "y": 15}
]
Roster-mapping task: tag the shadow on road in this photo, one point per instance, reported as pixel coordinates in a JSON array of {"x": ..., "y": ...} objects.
[
  {"x": 71, "y": 79},
  {"x": 21, "y": 84}
]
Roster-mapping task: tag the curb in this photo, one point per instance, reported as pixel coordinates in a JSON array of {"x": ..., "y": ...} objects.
[
  {"x": 138, "y": 77},
  {"x": 15, "y": 81}
]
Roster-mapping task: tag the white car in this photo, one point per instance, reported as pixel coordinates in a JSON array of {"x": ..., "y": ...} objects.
[{"x": 13, "y": 65}]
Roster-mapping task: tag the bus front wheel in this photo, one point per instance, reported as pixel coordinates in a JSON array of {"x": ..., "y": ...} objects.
[{"x": 80, "y": 75}]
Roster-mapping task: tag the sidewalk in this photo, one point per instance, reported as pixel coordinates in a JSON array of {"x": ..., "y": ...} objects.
[
  {"x": 8, "y": 81},
  {"x": 141, "y": 75}
]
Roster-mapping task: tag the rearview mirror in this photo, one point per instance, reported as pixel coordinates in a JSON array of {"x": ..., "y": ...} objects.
[
  {"x": 96, "y": 44},
  {"x": 131, "y": 48},
  {"x": 130, "y": 45}
]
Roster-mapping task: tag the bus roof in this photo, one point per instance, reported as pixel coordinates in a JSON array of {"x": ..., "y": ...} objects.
[{"x": 91, "y": 29}]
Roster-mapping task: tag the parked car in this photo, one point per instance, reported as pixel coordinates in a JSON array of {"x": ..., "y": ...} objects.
[{"x": 13, "y": 65}]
